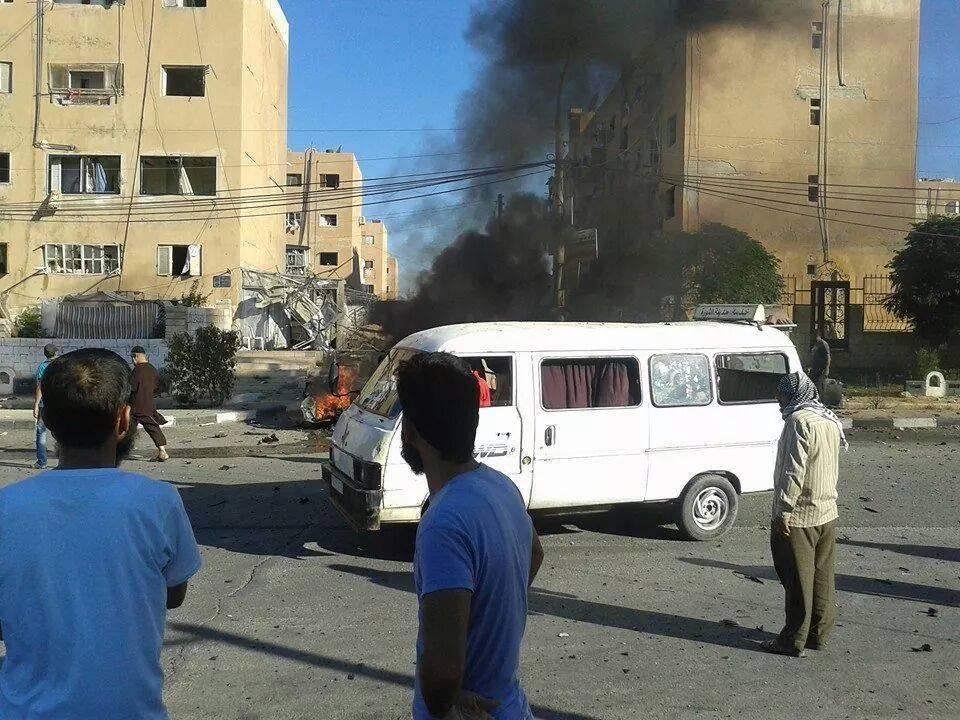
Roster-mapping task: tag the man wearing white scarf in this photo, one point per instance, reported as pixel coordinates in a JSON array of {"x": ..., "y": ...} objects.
[{"x": 803, "y": 532}]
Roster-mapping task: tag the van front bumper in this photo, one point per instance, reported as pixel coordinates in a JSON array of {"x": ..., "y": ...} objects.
[{"x": 359, "y": 507}]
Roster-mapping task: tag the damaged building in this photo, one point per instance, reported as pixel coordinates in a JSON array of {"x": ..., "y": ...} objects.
[{"x": 145, "y": 156}]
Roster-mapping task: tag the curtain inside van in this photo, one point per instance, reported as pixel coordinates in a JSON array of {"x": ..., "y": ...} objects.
[{"x": 581, "y": 383}]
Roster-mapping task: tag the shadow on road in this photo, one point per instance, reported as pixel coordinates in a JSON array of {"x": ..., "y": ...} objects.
[
  {"x": 934, "y": 552},
  {"x": 570, "y": 607},
  {"x": 324, "y": 661},
  {"x": 878, "y": 587}
]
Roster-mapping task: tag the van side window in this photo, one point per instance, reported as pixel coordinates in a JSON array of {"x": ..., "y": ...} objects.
[
  {"x": 567, "y": 384},
  {"x": 494, "y": 375},
  {"x": 680, "y": 380},
  {"x": 750, "y": 378}
]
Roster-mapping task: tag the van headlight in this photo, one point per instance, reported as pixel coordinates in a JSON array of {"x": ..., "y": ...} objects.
[{"x": 367, "y": 474}]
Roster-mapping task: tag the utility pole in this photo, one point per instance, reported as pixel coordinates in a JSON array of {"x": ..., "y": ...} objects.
[{"x": 558, "y": 144}]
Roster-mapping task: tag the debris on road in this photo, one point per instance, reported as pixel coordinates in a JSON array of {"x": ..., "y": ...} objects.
[
  {"x": 220, "y": 435},
  {"x": 923, "y": 648},
  {"x": 730, "y": 622},
  {"x": 564, "y": 635},
  {"x": 751, "y": 578},
  {"x": 227, "y": 467},
  {"x": 269, "y": 439},
  {"x": 870, "y": 509},
  {"x": 932, "y": 612}
]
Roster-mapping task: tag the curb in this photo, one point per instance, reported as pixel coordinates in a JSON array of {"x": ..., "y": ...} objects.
[
  {"x": 212, "y": 418},
  {"x": 906, "y": 423}
]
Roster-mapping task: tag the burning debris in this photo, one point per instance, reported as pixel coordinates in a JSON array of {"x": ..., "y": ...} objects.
[{"x": 324, "y": 407}]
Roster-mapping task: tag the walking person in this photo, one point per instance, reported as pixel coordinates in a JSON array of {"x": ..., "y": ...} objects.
[
  {"x": 820, "y": 362},
  {"x": 144, "y": 407},
  {"x": 49, "y": 352},
  {"x": 91, "y": 558},
  {"x": 476, "y": 552},
  {"x": 803, "y": 533}
]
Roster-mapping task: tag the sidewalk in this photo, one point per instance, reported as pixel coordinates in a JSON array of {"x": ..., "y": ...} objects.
[{"x": 22, "y": 419}]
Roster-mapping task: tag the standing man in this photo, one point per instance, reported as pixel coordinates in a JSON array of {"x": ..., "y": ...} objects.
[
  {"x": 49, "y": 352},
  {"x": 803, "y": 533},
  {"x": 476, "y": 554},
  {"x": 820, "y": 362},
  {"x": 144, "y": 407},
  {"x": 90, "y": 560}
]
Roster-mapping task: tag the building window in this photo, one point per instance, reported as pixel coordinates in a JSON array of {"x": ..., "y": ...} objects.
[
  {"x": 294, "y": 179},
  {"x": 291, "y": 223},
  {"x": 813, "y": 188},
  {"x": 653, "y": 151},
  {"x": 98, "y": 3},
  {"x": 297, "y": 260},
  {"x": 87, "y": 79},
  {"x": 368, "y": 264},
  {"x": 581, "y": 383},
  {"x": 670, "y": 203},
  {"x": 4, "y": 167},
  {"x": 329, "y": 259},
  {"x": 178, "y": 260},
  {"x": 750, "y": 378},
  {"x": 3, "y": 259},
  {"x": 184, "y": 80},
  {"x": 367, "y": 289},
  {"x": 328, "y": 221},
  {"x": 811, "y": 269},
  {"x": 672, "y": 130},
  {"x": 369, "y": 240},
  {"x": 814, "y": 111},
  {"x": 6, "y": 77},
  {"x": 85, "y": 84},
  {"x": 84, "y": 174},
  {"x": 82, "y": 259},
  {"x": 185, "y": 3},
  {"x": 951, "y": 208},
  {"x": 329, "y": 180},
  {"x": 817, "y": 35},
  {"x": 178, "y": 176}
]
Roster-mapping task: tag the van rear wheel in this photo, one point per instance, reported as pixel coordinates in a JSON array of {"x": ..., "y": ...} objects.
[{"x": 708, "y": 508}]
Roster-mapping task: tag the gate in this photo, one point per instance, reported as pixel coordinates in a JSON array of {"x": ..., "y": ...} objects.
[{"x": 830, "y": 302}]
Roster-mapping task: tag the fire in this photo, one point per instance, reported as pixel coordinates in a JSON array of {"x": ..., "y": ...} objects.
[{"x": 328, "y": 407}]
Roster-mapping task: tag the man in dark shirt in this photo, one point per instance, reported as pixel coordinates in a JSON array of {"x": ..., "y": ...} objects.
[
  {"x": 143, "y": 408},
  {"x": 820, "y": 362}
]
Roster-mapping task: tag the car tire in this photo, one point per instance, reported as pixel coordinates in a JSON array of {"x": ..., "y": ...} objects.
[{"x": 708, "y": 508}]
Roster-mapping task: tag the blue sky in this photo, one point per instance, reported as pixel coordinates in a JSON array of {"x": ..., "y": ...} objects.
[{"x": 363, "y": 70}]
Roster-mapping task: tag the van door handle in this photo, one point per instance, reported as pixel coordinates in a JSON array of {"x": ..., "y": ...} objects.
[{"x": 550, "y": 435}]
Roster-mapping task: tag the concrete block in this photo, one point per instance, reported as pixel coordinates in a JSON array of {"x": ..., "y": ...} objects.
[{"x": 914, "y": 423}]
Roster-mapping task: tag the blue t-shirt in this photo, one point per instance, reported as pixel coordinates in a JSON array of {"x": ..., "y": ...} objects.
[
  {"x": 41, "y": 369},
  {"x": 86, "y": 557},
  {"x": 476, "y": 535}
]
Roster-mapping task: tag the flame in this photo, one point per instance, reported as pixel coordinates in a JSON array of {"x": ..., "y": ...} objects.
[{"x": 328, "y": 407}]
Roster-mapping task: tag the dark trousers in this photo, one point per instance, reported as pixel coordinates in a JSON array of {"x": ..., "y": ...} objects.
[
  {"x": 151, "y": 425},
  {"x": 805, "y": 563}
]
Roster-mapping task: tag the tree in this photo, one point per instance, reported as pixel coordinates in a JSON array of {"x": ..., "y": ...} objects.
[
  {"x": 202, "y": 365},
  {"x": 725, "y": 265},
  {"x": 925, "y": 276}
]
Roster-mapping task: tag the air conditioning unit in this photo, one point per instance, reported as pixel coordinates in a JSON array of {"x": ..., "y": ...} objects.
[{"x": 363, "y": 220}]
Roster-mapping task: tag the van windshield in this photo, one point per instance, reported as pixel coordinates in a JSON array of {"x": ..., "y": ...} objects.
[{"x": 379, "y": 395}]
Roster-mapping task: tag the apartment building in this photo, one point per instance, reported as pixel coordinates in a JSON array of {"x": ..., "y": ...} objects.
[
  {"x": 800, "y": 132},
  {"x": 163, "y": 111},
  {"x": 327, "y": 233}
]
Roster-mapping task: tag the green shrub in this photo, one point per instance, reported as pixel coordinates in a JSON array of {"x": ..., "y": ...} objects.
[
  {"x": 194, "y": 298},
  {"x": 201, "y": 366},
  {"x": 925, "y": 361},
  {"x": 28, "y": 323}
]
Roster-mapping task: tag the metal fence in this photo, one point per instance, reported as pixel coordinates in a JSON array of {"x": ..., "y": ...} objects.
[{"x": 872, "y": 297}]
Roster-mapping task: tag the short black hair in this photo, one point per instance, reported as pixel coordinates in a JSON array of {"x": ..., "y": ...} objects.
[
  {"x": 49, "y": 351},
  {"x": 83, "y": 391},
  {"x": 440, "y": 396},
  {"x": 138, "y": 350}
]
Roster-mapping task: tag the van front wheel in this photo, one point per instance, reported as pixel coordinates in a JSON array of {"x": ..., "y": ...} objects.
[{"x": 708, "y": 508}]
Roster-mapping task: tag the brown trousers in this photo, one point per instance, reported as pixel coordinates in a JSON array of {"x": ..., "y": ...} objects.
[
  {"x": 151, "y": 426},
  {"x": 805, "y": 564}
]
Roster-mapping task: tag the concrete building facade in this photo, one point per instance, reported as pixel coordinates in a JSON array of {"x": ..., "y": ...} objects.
[
  {"x": 327, "y": 233},
  {"x": 163, "y": 111},
  {"x": 800, "y": 132}
]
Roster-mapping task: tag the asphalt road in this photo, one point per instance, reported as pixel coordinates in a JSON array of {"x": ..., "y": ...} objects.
[{"x": 295, "y": 616}]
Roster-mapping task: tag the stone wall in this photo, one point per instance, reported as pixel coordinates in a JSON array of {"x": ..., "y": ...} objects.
[
  {"x": 180, "y": 319},
  {"x": 20, "y": 356}
]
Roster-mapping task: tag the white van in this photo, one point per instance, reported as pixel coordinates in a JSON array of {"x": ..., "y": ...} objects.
[{"x": 586, "y": 416}]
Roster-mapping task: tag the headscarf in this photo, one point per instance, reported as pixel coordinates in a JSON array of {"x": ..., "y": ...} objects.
[{"x": 802, "y": 395}]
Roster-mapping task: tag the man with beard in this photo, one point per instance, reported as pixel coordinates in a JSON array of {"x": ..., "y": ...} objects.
[
  {"x": 476, "y": 552},
  {"x": 91, "y": 557}
]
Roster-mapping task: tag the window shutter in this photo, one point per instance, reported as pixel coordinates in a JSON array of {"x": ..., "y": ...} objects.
[
  {"x": 164, "y": 260},
  {"x": 193, "y": 252},
  {"x": 55, "y": 176}
]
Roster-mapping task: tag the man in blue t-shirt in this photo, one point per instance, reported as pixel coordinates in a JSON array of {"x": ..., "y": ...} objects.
[
  {"x": 476, "y": 554},
  {"x": 90, "y": 560},
  {"x": 49, "y": 352}
]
